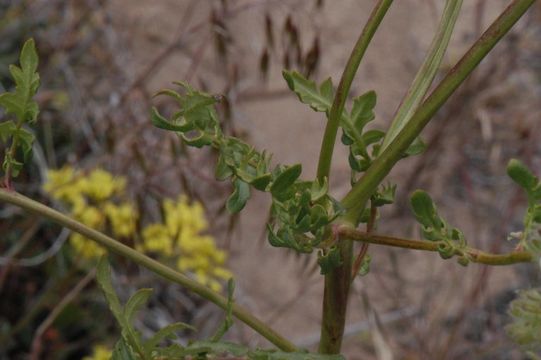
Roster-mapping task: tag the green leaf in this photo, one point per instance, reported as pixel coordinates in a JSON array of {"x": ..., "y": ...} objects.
[
  {"x": 228, "y": 321},
  {"x": 122, "y": 351},
  {"x": 280, "y": 355},
  {"x": 329, "y": 260},
  {"x": 424, "y": 208},
  {"x": 522, "y": 175},
  {"x": 240, "y": 196},
  {"x": 285, "y": 179},
  {"x": 165, "y": 333},
  {"x": 261, "y": 182},
  {"x": 103, "y": 277},
  {"x": 7, "y": 129},
  {"x": 362, "y": 111},
  {"x": 318, "y": 190},
  {"x": 25, "y": 140},
  {"x": 215, "y": 348},
  {"x": 223, "y": 171},
  {"x": 135, "y": 303},
  {"x": 416, "y": 147},
  {"x": 385, "y": 195},
  {"x": 372, "y": 136},
  {"x": 160, "y": 122},
  {"x": 19, "y": 102},
  {"x": 318, "y": 99}
]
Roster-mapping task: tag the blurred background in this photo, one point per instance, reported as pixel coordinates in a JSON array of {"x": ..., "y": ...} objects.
[{"x": 101, "y": 61}]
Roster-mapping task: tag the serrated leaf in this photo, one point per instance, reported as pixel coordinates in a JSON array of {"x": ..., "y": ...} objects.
[
  {"x": 135, "y": 303},
  {"x": 285, "y": 179},
  {"x": 362, "y": 111},
  {"x": 240, "y": 196},
  {"x": 522, "y": 175},
  {"x": 307, "y": 91},
  {"x": 19, "y": 102}
]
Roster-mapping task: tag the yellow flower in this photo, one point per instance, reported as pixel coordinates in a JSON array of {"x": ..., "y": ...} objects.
[
  {"x": 156, "y": 238},
  {"x": 122, "y": 218},
  {"x": 100, "y": 352},
  {"x": 101, "y": 185},
  {"x": 86, "y": 248}
]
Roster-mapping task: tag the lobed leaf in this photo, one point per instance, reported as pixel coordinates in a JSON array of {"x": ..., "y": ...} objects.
[{"x": 307, "y": 91}]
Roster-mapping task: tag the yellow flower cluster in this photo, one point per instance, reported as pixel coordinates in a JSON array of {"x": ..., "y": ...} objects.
[
  {"x": 100, "y": 352},
  {"x": 179, "y": 238},
  {"x": 89, "y": 199}
]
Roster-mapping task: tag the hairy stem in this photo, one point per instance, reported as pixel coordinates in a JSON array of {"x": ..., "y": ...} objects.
[
  {"x": 356, "y": 199},
  {"x": 337, "y": 282},
  {"x": 473, "y": 255},
  {"x": 143, "y": 260}
]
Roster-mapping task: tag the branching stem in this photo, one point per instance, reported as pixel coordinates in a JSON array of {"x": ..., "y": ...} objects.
[
  {"x": 166, "y": 272},
  {"x": 474, "y": 255}
]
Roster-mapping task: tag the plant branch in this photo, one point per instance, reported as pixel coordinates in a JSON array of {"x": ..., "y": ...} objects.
[
  {"x": 143, "y": 260},
  {"x": 356, "y": 199},
  {"x": 329, "y": 138},
  {"x": 337, "y": 282},
  {"x": 474, "y": 255},
  {"x": 421, "y": 84}
]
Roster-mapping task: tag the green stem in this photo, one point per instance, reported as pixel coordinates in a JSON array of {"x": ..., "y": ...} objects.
[
  {"x": 329, "y": 138},
  {"x": 474, "y": 255},
  {"x": 337, "y": 282},
  {"x": 355, "y": 200},
  {"x": 421, "y": 84},
  {"x": 143, "y": 260}
]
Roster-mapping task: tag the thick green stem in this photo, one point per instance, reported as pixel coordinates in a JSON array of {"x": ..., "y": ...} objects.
[
  {"x": 355, "y": 200},
  {"x": 143, "y": 260},
  {"x": 337, "y": 282},
  {"x": 474, "y": 255},
  {"x": 421, "y": 84}
]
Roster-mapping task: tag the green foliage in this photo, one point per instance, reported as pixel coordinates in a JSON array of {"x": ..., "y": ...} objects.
[
  {"x": 300, "y": 209},
  {"x": 529, "y": 238},
  {"x": 21, "y": 105},
  {"x": 131, "y": 346},
  {"x": 525, "y": 312},
  {"x": 450, "y": 240}
]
